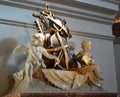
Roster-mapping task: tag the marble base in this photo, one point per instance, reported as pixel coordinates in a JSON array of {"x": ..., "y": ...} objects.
[{"x": 69, "y": 95}]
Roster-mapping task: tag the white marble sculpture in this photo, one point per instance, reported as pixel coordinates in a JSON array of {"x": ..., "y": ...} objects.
[{"x": 34, "y": 60}]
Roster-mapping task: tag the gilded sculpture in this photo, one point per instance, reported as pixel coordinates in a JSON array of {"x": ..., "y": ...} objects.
[
  {"x": 87, "y": 64},
  {"x": 49, "y": 57}
]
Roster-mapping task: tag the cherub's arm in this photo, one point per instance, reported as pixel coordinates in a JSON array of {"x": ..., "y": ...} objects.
[
  {"x": 92, "y": 59},
  {"x": 80, "y": 54},
  {"x": 50, "y": 56}
]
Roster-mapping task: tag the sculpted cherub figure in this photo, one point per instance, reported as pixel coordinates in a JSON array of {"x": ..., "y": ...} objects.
[
  {"x": 36, "y": 52},
  {"x": 34, "y": 60},
  {"x": 87, "y": 64}
]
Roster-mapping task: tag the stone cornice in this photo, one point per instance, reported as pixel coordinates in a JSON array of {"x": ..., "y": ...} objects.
[
  {"x": 112, "y": 1},
  {"x": 104, "y": 37},
  {"x": 70, "y": 9},
  {"x": 16, "y": 23},
  {"x": 73, "y": 32}
]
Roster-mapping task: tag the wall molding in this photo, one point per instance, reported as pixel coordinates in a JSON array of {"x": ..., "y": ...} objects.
[
  {"x": 85, "y": 34},
  {"x": 112, "y": 1},
  {"x": 16, "y": 23},
  {"x": 73, "y": 32},
  {"x": 71, "y": 9}
]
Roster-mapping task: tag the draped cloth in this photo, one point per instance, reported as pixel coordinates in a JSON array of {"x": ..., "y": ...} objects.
[
  {"x": 64, "y": 79},
  {"x": 23, "y": 78},
  {"x": 21, "y": 81},
  {"x": 60, "y": 78}
]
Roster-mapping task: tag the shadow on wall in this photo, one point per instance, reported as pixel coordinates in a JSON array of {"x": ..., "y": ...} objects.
[{"x": 6, "y": 48}]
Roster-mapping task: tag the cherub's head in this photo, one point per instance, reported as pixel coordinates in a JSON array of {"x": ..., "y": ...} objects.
[
  {"x": 86, "y": 45},
  {"x": 37, "y": 39}
]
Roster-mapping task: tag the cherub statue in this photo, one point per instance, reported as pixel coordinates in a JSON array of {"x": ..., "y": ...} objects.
[
  {"x": 34, "y": 60},
  {"x": 37, "y": 50},
  {"x": 87, "y": 64}
]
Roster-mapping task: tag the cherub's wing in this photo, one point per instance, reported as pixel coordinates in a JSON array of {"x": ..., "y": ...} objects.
[{"x": 21, "y": 49}]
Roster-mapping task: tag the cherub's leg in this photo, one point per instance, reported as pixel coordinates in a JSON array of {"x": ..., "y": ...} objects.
[
  {"x": 93, "y": 80},
  {"x": 43, "y": 65},
  {"x": 35, "y": 69},
  {"x": 31, "y": 72},
  {"x": 96, "y": 70},
  {"x": 35, "y": 66}
]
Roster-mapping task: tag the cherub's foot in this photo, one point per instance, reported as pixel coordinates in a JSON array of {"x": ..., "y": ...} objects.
[
  {"x": 100, "y": 78},
  {"x": 99, "y": 85}
]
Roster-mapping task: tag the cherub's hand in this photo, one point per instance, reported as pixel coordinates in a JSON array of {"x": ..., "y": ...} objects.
[{"x": 57, "y": 61}]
